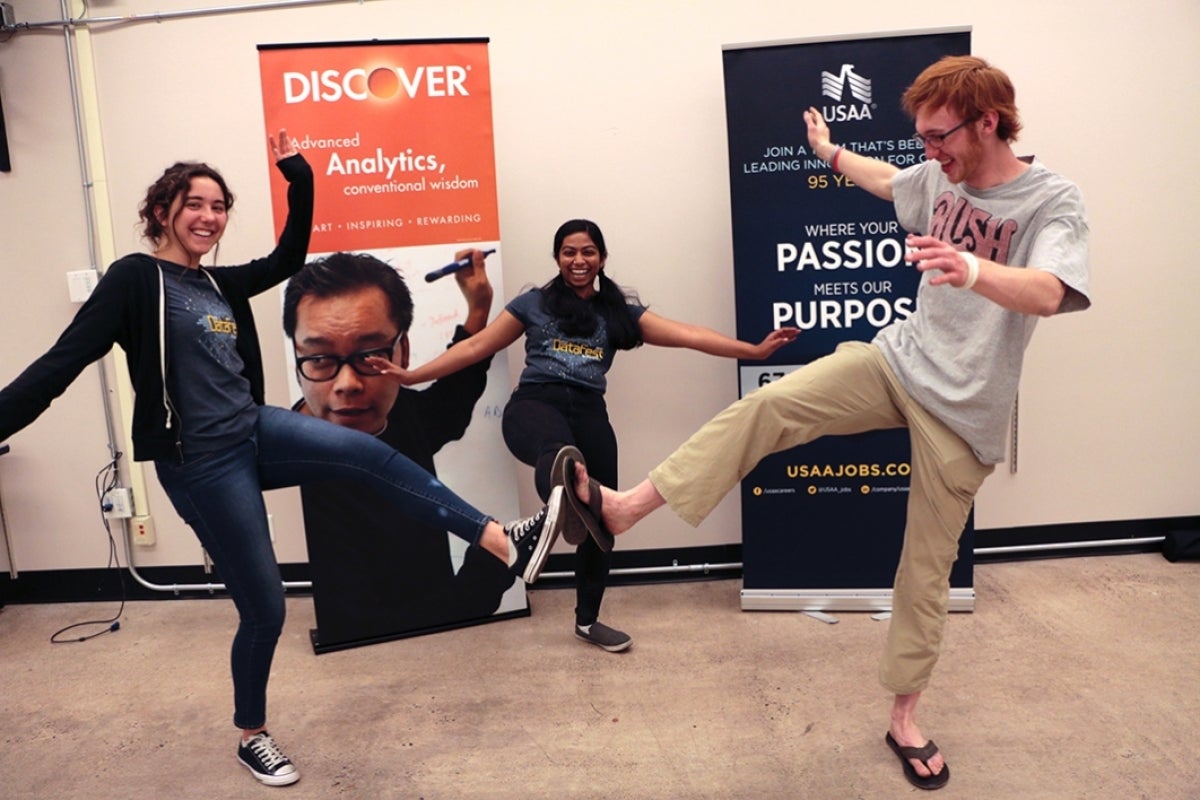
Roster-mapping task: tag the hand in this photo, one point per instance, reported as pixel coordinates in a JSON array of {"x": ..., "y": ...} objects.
[
  {"x": 283, "y": 146},
  {"x": 928, "y": 253},
  {"x": 476, "y": 288},
  {"x": 818, "y": 132},
  {"x": 775, "y": 340},
  {"x": 392, "y": 370}
]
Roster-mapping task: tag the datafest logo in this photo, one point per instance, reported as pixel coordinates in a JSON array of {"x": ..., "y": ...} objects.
[{"x": 836, "y": 87}]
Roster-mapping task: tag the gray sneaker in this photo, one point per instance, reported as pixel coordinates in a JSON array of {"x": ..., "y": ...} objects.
[{"x": 599, "y": 634}]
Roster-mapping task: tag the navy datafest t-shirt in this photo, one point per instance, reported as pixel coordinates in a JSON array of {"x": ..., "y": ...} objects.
[
  {"x": 204, "y": 370},
  {"x": 553, "y": 357}
]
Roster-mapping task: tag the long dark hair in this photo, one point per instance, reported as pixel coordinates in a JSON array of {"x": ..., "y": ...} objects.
[{"x": 577, "y": 316}]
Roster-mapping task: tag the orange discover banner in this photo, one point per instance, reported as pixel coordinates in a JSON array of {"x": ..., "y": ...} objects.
[{"x": 399, "y": 135}]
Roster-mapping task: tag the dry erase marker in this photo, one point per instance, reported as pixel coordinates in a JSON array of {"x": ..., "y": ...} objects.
[{"x": 453, "y": 266}]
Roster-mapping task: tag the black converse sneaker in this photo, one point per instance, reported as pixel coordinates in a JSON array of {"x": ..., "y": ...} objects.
[
  {"x": 534, "y": 536},
  {"x": 266, "y": 761}
]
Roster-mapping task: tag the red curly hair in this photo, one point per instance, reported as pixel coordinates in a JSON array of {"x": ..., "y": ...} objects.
[{"x": 969, "y": 86}]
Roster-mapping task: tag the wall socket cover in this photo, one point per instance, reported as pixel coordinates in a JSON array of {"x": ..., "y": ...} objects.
[
  {"x": 80, "y": 283},
  {"x": 118, "y": 503}
]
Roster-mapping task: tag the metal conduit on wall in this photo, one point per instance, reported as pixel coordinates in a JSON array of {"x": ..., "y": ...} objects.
[
  {"x": 159, "y": 16},
  {"x": 666, "y": 569},
  {"x": 68, "y": 24}
]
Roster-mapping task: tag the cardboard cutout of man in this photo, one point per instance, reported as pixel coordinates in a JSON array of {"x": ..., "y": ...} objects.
[{"x": 338, "y": 311}]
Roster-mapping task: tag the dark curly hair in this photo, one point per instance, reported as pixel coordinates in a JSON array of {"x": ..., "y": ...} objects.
[{"x": 175, "y": 181}]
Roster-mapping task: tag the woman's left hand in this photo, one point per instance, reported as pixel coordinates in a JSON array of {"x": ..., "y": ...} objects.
[
  {"x": 775, "y": 340},
  {"x": 394, "y": 371},
  {"x": 282, "y": 146}
]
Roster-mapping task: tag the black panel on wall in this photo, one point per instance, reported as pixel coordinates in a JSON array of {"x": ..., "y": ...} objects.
[{"x": 5, "y": 163}]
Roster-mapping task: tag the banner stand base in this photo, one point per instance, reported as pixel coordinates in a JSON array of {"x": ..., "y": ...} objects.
[
  {"x": 961, "y": 599},
  {"x": 320, "y": 647}
]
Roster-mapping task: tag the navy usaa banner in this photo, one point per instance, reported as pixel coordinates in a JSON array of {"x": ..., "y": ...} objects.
[{"x": 822, "y": 524}]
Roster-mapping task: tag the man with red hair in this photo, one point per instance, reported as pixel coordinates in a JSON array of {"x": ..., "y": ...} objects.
[{"x": 1000, "y": 241}]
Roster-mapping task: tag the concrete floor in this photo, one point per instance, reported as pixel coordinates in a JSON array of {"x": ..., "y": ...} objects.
[{"x": 1073, "y": 678}]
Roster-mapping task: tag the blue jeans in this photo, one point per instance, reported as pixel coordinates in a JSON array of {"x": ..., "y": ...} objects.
[{"x": 220, "y": 496}]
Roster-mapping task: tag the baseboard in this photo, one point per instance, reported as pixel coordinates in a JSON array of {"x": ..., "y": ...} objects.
[
  {"x": 88, "y": 585},
  {"x": 1109, "y": 536},
  {"x": 663, "y": 565}
]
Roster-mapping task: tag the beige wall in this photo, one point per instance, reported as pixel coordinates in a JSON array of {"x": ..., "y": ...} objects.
[{"x": 615, "y": 111}]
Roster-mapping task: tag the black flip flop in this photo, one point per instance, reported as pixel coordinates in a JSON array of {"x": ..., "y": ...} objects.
[
  {"x": 593, "y": 510},
  {"x": 589, "y": 514},
  {"x": 575, "y": 528},
  {"x": 922, "y": 754}
]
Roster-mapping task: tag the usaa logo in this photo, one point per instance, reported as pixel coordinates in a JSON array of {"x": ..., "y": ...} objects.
[{"x": 834, "y": 86}]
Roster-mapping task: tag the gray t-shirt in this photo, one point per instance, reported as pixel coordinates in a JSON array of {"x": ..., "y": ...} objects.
[
  {"x": 551, "y": 356},
  {"x": 960, "y": 354}
]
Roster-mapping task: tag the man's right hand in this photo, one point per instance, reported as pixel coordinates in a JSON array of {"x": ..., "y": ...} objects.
[
  {"x": 871, "y": 174},
  {"x": 476, "y": 288},
  {"x": 818, "y": 134}
]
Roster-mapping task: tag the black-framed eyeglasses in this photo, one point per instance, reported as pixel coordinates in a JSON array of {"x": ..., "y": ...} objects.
[
  {"x": 939, "y": 139},
  {"x": 326, "y": 367}
]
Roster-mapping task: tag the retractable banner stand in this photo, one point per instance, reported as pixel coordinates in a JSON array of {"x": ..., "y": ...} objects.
[
  {"x": 823, "y": 523},
  {"x": 399, "y": 135}
]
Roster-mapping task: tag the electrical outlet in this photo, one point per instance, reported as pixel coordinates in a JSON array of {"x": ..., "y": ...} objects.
[
  {"x": 117, "y": 503},
  {"x": 80, "y": 283},
  {"x": 142, "y": 530}
]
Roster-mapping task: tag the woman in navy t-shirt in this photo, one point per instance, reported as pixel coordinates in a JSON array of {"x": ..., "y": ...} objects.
[{"x": 572, "y": 326}]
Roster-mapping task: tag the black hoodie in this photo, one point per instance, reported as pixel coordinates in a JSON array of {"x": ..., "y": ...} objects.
[{"x": 126, "y": 308}]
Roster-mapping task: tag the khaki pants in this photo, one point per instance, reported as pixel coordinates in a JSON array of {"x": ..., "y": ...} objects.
[{"x": 850, "y": 391}]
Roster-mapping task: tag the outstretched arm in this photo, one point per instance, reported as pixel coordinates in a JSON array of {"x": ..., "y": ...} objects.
[
  {"x": 503, "y": 331},
  {"x": 669, "y": 333},
  {"x": 870, "y": 173}
]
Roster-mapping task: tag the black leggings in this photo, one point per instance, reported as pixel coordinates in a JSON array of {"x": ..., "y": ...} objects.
[{"x": 539, "y": 420}]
